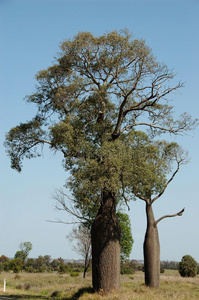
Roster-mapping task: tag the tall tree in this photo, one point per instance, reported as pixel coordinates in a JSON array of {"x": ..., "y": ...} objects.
[
  {"x": 154, "y": 164},
  {"x": 99, "y": 89}
]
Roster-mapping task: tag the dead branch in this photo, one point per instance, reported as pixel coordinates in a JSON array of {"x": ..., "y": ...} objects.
[
  {"x": 169, "y": 216},
  {"x": 61, "y": 205}
]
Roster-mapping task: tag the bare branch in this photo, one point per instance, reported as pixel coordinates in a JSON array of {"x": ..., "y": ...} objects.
[
  {"x": 169, "y": 216},
  {"x": 60, "y": 196},
  {"x": 62, "y": 222},
  {"x": 172, "y": 177},
  {"x": 181, "y": 158},
  {"x": 123, "y": 193}
]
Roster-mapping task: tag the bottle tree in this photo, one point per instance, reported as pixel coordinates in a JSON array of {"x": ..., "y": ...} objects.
[
  {"x": 99, "y": 89},
  {"x": 152, "y": 173}
]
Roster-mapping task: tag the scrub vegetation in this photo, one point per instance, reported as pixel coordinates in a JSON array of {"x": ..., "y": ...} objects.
[{"x": 55, "y": 286}]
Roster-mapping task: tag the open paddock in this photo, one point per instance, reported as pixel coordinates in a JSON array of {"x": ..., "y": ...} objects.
[{"x": 27, "y": 286}]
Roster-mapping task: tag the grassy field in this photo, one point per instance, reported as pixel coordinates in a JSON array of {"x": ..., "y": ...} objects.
[{"x": 63, "y": 287}]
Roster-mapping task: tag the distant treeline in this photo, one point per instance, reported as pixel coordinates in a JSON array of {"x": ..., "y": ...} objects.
[
  {"x": 47, "y": 264},
  {"x": 39, "y": 264}
]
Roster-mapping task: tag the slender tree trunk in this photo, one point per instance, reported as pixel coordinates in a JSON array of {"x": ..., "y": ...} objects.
[
  {"x": 151, "y": 251},
  {"x": 86, "y": 265},
  {"x": 105, "y": 235}
]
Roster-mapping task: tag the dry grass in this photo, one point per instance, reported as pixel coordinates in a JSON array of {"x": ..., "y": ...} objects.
[{"x": 63, "y": 287}]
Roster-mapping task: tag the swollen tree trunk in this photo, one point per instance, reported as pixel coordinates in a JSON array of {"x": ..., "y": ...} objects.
[
  {"x": 151, "y": 250},
  {"x": 105, "y": 236}
]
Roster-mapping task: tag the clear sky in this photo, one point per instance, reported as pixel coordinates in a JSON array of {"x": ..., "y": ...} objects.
[{"x": 30, "y": 33}]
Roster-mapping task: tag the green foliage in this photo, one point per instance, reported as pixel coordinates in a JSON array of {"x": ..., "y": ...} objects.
[
  {"x": 127, "y": 269},
  {"x": 63, "y": 268},
  {"x": 188, "y": 266},
  {"x": 98, "y": 89},
  {"x": 16, "y": 264},
  {"x": 126, "y": 242},
  {"x": 162, "y": 270},
  {"x": 1, "y": 267},
  {"x": 38, "y": 265},
  {"x": 42, "y": 263},
  {"x": 20, "y": 254},
  {"x": 25, "y": 247},
  {"x": 74, "y": 274}
]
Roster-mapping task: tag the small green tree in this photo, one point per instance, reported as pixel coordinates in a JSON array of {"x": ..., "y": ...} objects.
[
  {"x": 25, "y": 247},
  {"x": 55, "y": 264},
  {"x": 30, "y": 265},
  {"x": 188, "y": 266},
  {"x": 21, "y": 255},
  {"x": 126, "y": 241},
  {"x": 16, "y": 264},
  {"x": 42, "y": 263}
]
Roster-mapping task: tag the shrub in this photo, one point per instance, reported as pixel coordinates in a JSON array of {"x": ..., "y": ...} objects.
[
  {"x": 162, "y": 270},
  {"x": 63, "y": 268},
  {"x": 127, "y": 270},
  {"x": 127, "y": 267},
  {"x": 74, "y": 274},
  {"x": 19, "y": 287},
  {"x": 27, "y": 286},
  {"x": 1, "y": 266},
  {"x": 188, "y": 266}
]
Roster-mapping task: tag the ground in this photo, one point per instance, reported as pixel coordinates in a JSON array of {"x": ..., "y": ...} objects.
[{"x": 46, "y": 286}]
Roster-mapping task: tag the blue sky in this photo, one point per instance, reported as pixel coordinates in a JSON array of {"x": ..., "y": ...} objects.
[{"x": 30, "y": 34}]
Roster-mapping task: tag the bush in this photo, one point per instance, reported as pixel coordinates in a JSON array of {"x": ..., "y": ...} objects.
[
  {"x": 188, "y": 266},
  {"x": 127, "y": 270},
  {"x": 74, "y": 274},
  {"x": 27, "y": 286},
  {"x": 1, "y": 266},
  {"x": 63, "y": 268},
  {"x": 127, "y": 267},
  {"x": 162, "y": 270}
]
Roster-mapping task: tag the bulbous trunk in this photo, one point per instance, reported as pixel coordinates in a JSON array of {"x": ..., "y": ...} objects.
[
  {"x": 151, "y": 251},
  {"x": 105, "y": 236}
]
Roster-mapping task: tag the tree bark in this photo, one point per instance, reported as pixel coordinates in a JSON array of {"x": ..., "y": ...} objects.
[
  {"x": 105, "y": 236},
  {"x": 151, "y": 251}
]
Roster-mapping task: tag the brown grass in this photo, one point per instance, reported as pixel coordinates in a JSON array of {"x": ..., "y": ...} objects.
[{"x": 63, "y": 287}]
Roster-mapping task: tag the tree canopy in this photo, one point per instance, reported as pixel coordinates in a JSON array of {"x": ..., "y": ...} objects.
[{"x": 99, "y": 88}]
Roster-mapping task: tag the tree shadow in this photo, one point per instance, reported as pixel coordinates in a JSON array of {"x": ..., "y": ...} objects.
[
  {"x": 16, "y": 297},
  {"x": 79, "y": 293},
  {"x": 54, "y": 296},
  {"x": 75, "y": 296}
]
